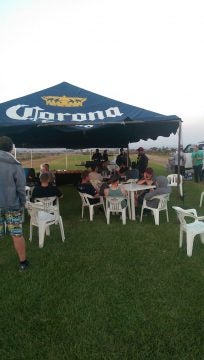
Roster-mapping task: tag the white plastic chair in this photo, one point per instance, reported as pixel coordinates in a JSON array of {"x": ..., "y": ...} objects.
[
  {"x": 85, "y": 203},
  {"x": 201, "y": 198},
  {"x": 43, "y": 214},
  {"x": 113, "y": 204},
  {"x": 191, "y": 229},
  {"x": 173, "y": 181},
  {"x": 162, "y": 205},
  {"x": 28, "y": 192}
]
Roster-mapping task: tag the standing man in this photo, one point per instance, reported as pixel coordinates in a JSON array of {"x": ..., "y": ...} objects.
[
  {"x": 142, "y": 161},
  {"x": 182, "y": 162},
  {"x": 197, "y": 160},
  {"x": 12, "y": 198}
]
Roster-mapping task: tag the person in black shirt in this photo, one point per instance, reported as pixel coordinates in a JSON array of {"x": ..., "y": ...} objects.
[
  {"x": 105, "y": 155},
  {"x": 86, "y": 187},
  {"x": 97, "y": 157},
  {"x": 142, "y": 162},
  {"x": 45, "y": 189}
]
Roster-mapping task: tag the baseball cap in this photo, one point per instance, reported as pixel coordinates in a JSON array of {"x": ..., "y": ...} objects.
[{"x": 140, "y": 149}]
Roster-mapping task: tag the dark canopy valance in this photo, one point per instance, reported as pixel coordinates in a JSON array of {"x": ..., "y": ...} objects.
[{"x": 68, "y": 116}]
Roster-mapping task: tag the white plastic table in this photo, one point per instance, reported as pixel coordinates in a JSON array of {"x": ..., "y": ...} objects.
[{"x": 132, "y": 189}]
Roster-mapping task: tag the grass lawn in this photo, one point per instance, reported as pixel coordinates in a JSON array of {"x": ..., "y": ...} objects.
[{"x": 108, "y": 292}]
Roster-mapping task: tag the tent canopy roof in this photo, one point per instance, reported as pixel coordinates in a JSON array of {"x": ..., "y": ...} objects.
[{"x": 68, "y": 116}]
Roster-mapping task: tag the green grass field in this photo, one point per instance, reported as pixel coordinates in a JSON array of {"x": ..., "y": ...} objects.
[{"x": 109, "y": 292}]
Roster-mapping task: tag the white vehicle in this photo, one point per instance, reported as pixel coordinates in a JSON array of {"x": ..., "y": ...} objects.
[{"x": 188, "y": 151}]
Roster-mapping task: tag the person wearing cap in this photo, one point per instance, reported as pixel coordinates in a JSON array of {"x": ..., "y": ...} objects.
[
  {"x": 142, "y": 161},
  {"x": 12, "y": 198}
]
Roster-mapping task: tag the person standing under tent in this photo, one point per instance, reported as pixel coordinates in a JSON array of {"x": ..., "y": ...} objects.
[
  {"x": 182, "y": 162},
  {"x": 97, "y": 157},
  {"x": 105, "y": 156},
  {"x": 142, "y": 161},
  {"x": 12, "y": 198}
]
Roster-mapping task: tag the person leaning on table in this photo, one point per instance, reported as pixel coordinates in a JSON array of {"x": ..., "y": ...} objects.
[
  {"x": 162, "y": 188},
  {"x": 12, "y": 198},
  {"x": 148, "y": 179}
]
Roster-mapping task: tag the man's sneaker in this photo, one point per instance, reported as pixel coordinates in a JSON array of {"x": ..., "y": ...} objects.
[{"x": 24, "y": 265}]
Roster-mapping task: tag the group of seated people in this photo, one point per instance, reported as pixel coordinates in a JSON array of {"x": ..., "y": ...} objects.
[
  {"x": 44, "y": 184},
  {"x": 92, "y": 183}
]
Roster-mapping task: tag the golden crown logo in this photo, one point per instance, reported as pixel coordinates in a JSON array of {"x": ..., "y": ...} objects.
[{"x": 63, "y": 101}]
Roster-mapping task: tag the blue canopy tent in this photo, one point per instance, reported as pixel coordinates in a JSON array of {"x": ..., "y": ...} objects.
[{"x": 68, "y": 116}]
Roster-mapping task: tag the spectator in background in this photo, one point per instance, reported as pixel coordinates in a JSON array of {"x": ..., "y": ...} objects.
[
  {"x": 12, "y": 198},
  {"x": 197, "y": 160},
  {"x": 122, "y": 158},
  {"x": 142, "y": 161},
  {"x": 97, "y": 157},
  {"x": 45, "y": 168},
  {"x": 182, "y": 162},
  {"x": 31, "y": 179}
]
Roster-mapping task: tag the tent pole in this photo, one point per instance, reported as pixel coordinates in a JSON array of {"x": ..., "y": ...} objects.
[
  {"x": 15, "y": 151},
  {"x": 127, "y": 155},
  {"x": 66, "y": 163},
  {"x": 31, "y": 158},
  {"x": 179, "y": 154}
]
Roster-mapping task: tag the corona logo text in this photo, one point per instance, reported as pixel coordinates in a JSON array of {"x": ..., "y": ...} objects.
[
  {"x": 37, "y": 114},
  {"x": 63, "y": 101}
]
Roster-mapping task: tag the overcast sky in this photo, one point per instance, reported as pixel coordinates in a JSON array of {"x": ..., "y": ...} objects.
[{"x": 148, "y": 53}]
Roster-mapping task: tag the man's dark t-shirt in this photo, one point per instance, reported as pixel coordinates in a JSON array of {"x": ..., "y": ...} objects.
[
  {"x": 88, "y": 189},
  {"x": 48, "y": 191}
]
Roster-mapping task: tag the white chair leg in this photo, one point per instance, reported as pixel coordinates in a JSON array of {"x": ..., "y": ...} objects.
[
  {"x": 82, "y": 212},
  {"x": 167, "y": 215},
  {"x": 156, "y": 217},
  {"x": 104, "y": 209},
  {"x": 61, "y": 228},
  {"x": 181, "y": 189},
  {"x": 201, "y": 198},
  {"x": 189, "y": 240},
  {"x": 202, "y": 238},
  {"x": 108, "y": 217},
  {"x": 124, "y": 216},
  {"x": 91, "y": 211},
  {"x": 47, "y": 231},
  {"x": 181, "y": 238},
  {"x": 41, "y": 235}
]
